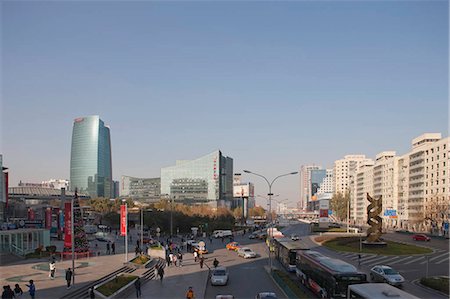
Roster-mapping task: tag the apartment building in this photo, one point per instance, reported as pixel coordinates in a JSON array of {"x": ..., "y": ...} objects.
[{"x": 364, "y": 185}]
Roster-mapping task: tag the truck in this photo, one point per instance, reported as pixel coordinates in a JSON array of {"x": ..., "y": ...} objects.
[{"x": 222, "y": 233}]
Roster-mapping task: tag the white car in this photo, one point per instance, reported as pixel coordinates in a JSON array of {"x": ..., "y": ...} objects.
[
  {"x": 266, "y": 295},
  {"x": 219, "y": 276},
  {"x": 246, "y": 253},
  {"x": 295, "y": 238},
  {"x": 386, "y": 274}
]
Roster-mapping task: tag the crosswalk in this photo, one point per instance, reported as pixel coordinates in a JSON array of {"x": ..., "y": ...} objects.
[{"x": 438, "y": 257}]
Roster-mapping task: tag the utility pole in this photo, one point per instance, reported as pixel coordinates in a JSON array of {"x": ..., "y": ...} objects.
[
  {"x": 72, "y": 236},
  {"x": 142, "y": 227}
]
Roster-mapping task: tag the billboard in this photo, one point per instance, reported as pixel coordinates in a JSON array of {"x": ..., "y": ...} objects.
[
  {"x": 123, "y": 220},
  {"x": 245, "y": 190},
  {"x": 390, "y": 213},
  {"x": 67, "y": 225},
  {"x": 324, "y": 206}
]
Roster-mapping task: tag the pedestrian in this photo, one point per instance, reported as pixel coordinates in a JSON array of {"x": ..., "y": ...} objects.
[
  {"x": 136, "y": 251},
  {"x": 96, "y": 247},
  {"x": 69, "y": 274},
  {"x": 31, "y": 289},
  {"x": 18, "y": 291},
  {"x": 91, "y": 293},
  {"x": 161, "y": 273},
  {"x": 195, "y": 256},
  {"x": 137, "y": 285},
  {"x": 170, "y": 258},
  {"x": 52, "y": 270},
  {"x": 175, "y": 259},
  {"x": 215, "y": 263},
  {"x": 156, "y": 272},
  {"x": 137, "y": 243},
  {"x": 210, "y": 239},
  {"x": 180, "y": 259},
  {"x": 202, "y": 260},
  {"x": 7, "y": 292},
  {"x": 108, "y": 248},
  {"x": 167, "y": 260},
  {"x": 222, "y": 239},
  {"x": 113, "y": 248},
  {"x": 190, "y": 293}
]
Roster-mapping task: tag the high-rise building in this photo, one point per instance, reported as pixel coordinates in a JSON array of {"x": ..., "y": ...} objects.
[
  {"x": 305, "y": 184},
  {"x": 206, "y": 180},
  {"x": 116, "y": 189},
  {"x": 90, "y": 160},
  {"x": 364, "y": 185},
  {"x": 141, "y": 189}
]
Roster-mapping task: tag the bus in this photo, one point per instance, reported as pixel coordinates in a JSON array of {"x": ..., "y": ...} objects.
[
  {"x": 285, "y": 250},
  {"x": 376, "y": 291},
  {"x": 327, "y": 277}
]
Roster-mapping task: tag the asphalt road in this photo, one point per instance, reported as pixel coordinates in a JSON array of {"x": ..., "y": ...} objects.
[
  {"x": 411, "y": 267},
  {"x": 248, "y": 277}
]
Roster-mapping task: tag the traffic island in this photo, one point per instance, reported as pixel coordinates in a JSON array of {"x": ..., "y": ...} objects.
[
  {"x": 352, "y": 244},
  {"x": 113, "y": 287},
  {"x": 288, "y": 285},
  {"x": 438, "y": 283}
]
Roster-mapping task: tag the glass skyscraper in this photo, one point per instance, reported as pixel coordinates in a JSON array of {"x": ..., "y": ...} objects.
[
  {"x": 90, "y": 157},
  {"x": 206, "y": 180}
]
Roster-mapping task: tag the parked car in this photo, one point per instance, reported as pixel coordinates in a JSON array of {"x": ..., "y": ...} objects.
[
  {"x": 295, "y": 237},
  {"x": 334, "y": 225},
  {"x": 421, "y": 237},
  {"x": 253, "y": 236},
  {"x": 246, "y": 253},
  {"x": 233, "y": 246},
  {"x": 219, "y": 276},
  {"x": 266, "y": 295},
  {"x": 224, "y": 297},
  {"x": 262, "y": 236},
  {"x": 386, "y": 274}
]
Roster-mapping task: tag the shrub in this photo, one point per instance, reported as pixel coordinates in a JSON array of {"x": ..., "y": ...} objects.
[
  {"x": 39, "y": 249},
  {"x": 51, "y": 248},
  {"x": 437, "y": 283}
]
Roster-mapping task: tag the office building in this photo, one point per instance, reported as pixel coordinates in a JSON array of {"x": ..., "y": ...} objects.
[
  {"x": 140, "y": 189},
  {"x": 206, "y": 180},
  {"x": 305, "y": 184},
  {"x": 90, "y": 160}
]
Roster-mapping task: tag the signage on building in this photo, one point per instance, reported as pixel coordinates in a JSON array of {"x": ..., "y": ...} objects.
[
  {"x": 67, "y": 225},
  {"x": 123, "y": 220},
  {"x": 390, "y": 213},
  {"x": 48, "y": 218},
  {"x": 241, "y": 191},
  {"x": 324, "y": 206}
]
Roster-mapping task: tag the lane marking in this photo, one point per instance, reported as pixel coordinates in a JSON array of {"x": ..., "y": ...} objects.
[
  {"x": 387, "y": 261},
  {"x": 401, "y": 260},
  {"x": 420, "y": 258},
  {"x": 440, "y": 262}
]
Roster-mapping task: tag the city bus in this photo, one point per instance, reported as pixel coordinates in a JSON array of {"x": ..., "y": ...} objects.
[
  {"x": 326, "y": 277},
  {"x": 285, "y": 250},
  {"x": 376, "y": 291}
]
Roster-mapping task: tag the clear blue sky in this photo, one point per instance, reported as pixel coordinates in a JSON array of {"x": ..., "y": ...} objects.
[{"x": 272, "y": 84}]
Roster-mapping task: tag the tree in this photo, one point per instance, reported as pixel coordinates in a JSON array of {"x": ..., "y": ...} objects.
[
  {"x": 256, "y": 211},
  {"x": 339, "y": 204},
  {"x": 436, "y": 210},
  {"x": 237, "y": 213}
]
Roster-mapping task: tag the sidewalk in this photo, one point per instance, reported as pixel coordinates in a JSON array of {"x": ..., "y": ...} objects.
[{"x": 177, "y": 280}]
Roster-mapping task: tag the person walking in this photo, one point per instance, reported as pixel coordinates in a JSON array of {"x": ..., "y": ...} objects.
[
  {"x": 195, "y": 256},
  {"x": 156, "y": 271},
  {"x": 91, "y": 293},
  {"x": 52, "y": 270},
  {"x": 180, "y": 259},
  {"x": 18, "y": 291},
  {"x": 137, "y": 286},
  {"x": 215, "y": 263},
  {"x": 108, "y": 248},
  {"x": 167, "y": 260},
  {"x": 210, "y": 239},
  {"x": 174, "y": 259},
  {"x": 202, "y": 260},
  {"x": 190, "y": 293},
  {"x": 31, "y": 289},
  {"x": 113, "y": 248},
  {"x": 170, "y": 258},
  {"x": 161, "y": 273},
  {"x": 7, "y": 292},
  {"x": 69, "y": 274}
]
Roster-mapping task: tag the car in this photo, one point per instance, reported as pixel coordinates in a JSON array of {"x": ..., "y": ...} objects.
[
  {"x": 421, "y": 237},
  {"x": 233, "y": 246},
  {"x": 386, "y": 274},
  {"x": 253, "y": 236},
  {"x": 266, "y": 295},
  {"x": 295, "y": 238},
  {"x": 224, "y": 297},
  {"x": 246, "y": 253},
  {"x": 334, "y": 225},
  {"x": 219, "y": 276},
  {"x": 262, "y": 236}
]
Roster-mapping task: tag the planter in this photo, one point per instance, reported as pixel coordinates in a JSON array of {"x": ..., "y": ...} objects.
[
  {"x": 120, "y": 290},
  {"x": 157, "y": 252},
  {"x": 139, "y": 265}
]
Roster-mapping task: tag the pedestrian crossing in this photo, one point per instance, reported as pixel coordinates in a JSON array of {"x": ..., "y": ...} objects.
[{"x": 438, "y": 257}]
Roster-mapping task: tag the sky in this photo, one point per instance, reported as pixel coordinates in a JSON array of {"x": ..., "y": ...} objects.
[{"x": 273, "y": 85}]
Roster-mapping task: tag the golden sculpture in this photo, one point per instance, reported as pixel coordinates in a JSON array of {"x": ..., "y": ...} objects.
[{"x": 373, "y": 219}]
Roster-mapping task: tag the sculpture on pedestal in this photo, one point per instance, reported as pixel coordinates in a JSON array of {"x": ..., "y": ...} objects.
[{"x": 373, "y": 219}]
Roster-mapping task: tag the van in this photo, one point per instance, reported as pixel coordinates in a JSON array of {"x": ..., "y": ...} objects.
[{"x": 222, "y": 233}]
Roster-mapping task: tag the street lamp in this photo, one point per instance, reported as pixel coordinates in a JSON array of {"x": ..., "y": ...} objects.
[{"x": 270, "y": 194}]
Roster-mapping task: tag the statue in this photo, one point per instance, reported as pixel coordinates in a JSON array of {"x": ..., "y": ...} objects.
[{"x": 373, "y": 219}]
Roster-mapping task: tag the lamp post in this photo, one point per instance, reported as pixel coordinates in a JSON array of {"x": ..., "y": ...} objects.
[
  {"x": 270, "y": 194},
  {"x": 126, "y": 230},
  {"x": 72, "y": 236},
  {"x": 142, "y": 227},
  {"x": 171, "y": 216}
]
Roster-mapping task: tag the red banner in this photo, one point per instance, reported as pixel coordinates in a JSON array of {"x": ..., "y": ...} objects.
[
  {"x": 123, "y": 220},
  {"x": 48, "y": 218},
  {"x": 67, "y": 224},
  {"x": 31, "y": 214}
]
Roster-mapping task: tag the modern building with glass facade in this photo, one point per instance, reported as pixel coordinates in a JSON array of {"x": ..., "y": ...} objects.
[
  {"x": 140, "y": 189},
  {"x": 90, "y": 158},
  {"x": 206, "y": 180}
]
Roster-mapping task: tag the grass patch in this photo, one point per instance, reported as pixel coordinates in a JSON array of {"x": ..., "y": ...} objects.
[
  {"x": 438, "y": 283},
  {"x": 141, "y": 260},
  {"x": 116, "y": 284},
  {"x": 156, "y": 247},
  {"x": 351, "y": 244},
  {"x": 291, "y": 284},
  {"x": 316, "y": 229}
]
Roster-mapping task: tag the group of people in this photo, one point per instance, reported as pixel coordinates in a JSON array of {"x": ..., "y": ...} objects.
[
  {"x": 174, "y": 258},
  {"x": 17, "y": 292},
  {"x": 110, "y": 248}
]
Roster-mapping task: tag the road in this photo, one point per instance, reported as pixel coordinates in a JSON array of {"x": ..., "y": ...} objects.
[
  {"x": 412, "y": 267},
  {"x": 248, "y": 277}
]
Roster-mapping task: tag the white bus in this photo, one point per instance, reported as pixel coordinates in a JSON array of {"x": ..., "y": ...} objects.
[{"x": 376, "y": 291}]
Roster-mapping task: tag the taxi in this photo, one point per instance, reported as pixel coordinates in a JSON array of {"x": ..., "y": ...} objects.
[{"x": 233, "y": 246}]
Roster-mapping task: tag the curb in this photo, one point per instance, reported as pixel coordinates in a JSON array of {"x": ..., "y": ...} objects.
[
  {"x": 273, "y": 279},
  {"x": 416, "y": 282}
]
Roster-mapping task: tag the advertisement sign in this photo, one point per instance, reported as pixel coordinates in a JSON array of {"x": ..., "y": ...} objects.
[
  {"x": 48, "y": 218},
  {"x": 67, "y": 224},
  {"x": 390, "y": 213},
  {"x": 240, "y": 191},
  {"x": 61, "y": 220},
  {"x": 323, "y": 213},
  {"x": 123, "y": 220},
  {"x": 324, "y": 206}
]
